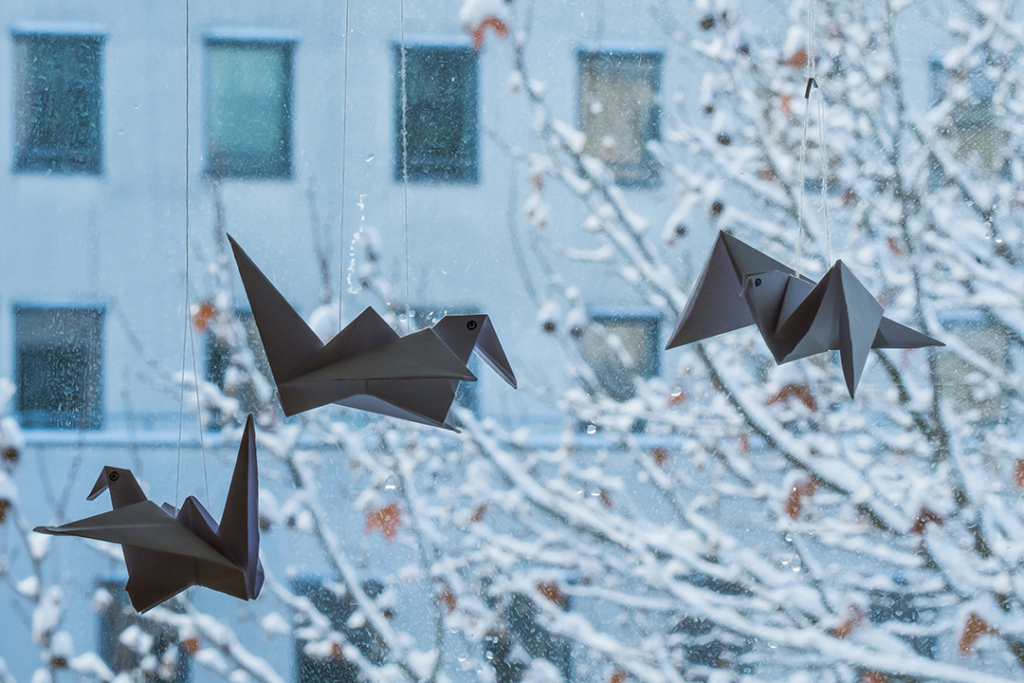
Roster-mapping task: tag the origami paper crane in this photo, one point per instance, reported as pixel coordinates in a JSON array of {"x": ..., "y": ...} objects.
[
  {"x": 742, "y": 286},
  {"x": 368, "y": 366},
  {"x": 168, "y": 550}
]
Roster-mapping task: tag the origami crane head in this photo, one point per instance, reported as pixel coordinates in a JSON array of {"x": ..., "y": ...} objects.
[
  {"x": 167, "y": 550},
  {"x": 742, "y": 286},
  {"x": 368, "y": 366}
]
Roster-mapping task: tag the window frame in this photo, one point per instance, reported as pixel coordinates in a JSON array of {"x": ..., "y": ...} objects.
[
  {"x": 240, "y": 167},
  {"x": 28, "y": 155}
]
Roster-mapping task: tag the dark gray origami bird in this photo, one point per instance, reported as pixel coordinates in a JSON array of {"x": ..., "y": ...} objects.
[
  {"x": 168, "y": 550},
  {"x": 368, "y": 366},
  {"x": 742, "y": 286}
]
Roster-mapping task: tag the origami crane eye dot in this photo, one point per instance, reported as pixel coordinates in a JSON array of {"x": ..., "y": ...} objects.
[
  {"x": 471, "y": 325},
  {"x": 113, "y": 476},
  {"x": 757, "y": 282}
]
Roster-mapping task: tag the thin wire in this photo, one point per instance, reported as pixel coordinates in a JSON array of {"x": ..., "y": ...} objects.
[
  {"x": 809, "y": 71},
  {"x": 824, "y": 178},
  {"x": 199, "y": 411},
  {"x": 181, "y": 401},
  {"x": 344, "y": 140},
  {"x": 405, "y": 173},
  {"x": 188, "y": 297},
  {"x": 184, "y": 336},
  {"x": 803, "y": 183}
]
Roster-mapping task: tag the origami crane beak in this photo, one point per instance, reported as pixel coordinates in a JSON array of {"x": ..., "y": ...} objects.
[
  {"x": 103, "y": 482},
  {"x": 489, "y": 348}
]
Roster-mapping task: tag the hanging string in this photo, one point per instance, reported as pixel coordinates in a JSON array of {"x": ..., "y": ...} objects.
[
  {"x": 803, "y": 182},
  {"x": 199, "y": 411},
  {"x": 810, "y": 68},
  {"x": 405, "y": 172},
  {"x": 344, "y": 140},
  {"x": 824, "y": 178},
  {"x": 184, "y": 336},
  {"x": 188, "y": 298},
  {"x": 181, "y": 401}
]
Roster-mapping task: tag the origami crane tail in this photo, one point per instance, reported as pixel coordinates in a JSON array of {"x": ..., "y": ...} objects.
[
  {"x": 239, "y": 526},
  {"x": 892, "y": 335},
  {"x": 860, "y": 317},
  {"x": 287, "y": 339}
]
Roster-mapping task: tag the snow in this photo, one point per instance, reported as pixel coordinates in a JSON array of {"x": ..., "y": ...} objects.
[
  {"x": 136, "y": 639},
  {"x": 275, "y": 624},
  {"x": 62, "y": 645},
  {"x": 324, "y": 321},
  {"x": 574, "y": 139},
  {"x": 47, "y": 614},
  {"x": 473, "y": 12},
  {"x": 8, "y": 491}
]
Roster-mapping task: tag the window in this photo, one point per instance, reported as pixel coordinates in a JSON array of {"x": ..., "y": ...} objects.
[
  {"x": 219, "y": 361},
  {"x": 970, "y": 128},
  {"x": 59, "y": 367},
  {"x": 249, "y": 107},
  {"x": 620, "y": 347},
  {"x": 338, "y": 607},
  {"x": 58, "y": 102},
  {"x": 126, "y": 639},
  {"x": 971, "y": 391},
  {"x": 441, "y": 113},
  {"x": 706, "y": 646},
  {"x": 618, "y": 111},
  {"x": 522, "y": 629}
]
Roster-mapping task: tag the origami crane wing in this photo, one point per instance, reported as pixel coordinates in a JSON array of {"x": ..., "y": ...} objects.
[
  {"x": 287, "y": 339},
  {"x": 716, "y": 304},
  {"x": 142, "y": 525},
  {"x": 239, "y": 530},
  {"x": 838, "y": 313}
]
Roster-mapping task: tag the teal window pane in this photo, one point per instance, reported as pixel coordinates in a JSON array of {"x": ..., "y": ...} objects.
[
  {"x": 248, "y": 90},
  {"x": 441, "y": 113}
]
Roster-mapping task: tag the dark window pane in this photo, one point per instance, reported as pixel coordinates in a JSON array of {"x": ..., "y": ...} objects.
[
  {"x": 338, "y": 607},
  {"x": 618, "y": 111},
  {"x": 248, "y": 109},
  {"x": 220, "y": 356},
  {"x": 58, "y": 103},
  {"x": 59, "y": 367},
  {"x": 115, "y": 616},
  {"x": 441, "y": 114},
  {"x": 601, "y": 346}
]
